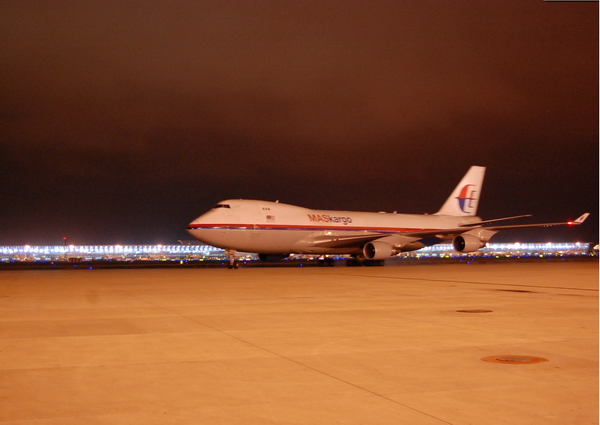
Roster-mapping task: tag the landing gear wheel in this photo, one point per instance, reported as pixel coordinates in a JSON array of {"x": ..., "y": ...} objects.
[
  {"x": 353, "y": 262},
  {"x": 376, "y": 263},
  {"x": 327, "y": 261},
  {"x": 233, "y": 264},
  {"x": 357, "y": 262}
]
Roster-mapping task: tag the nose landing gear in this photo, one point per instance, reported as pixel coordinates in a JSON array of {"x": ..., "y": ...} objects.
[{"x": 233, "y": 263}]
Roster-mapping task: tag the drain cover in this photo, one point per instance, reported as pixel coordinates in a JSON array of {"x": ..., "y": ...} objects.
[
  {"x": 474, "y": 311},
  {"x": 514, "y": 359}
]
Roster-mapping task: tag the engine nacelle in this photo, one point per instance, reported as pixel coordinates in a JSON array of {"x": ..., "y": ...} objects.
[
  {"x": 467, "y": 243},
  {"x": 378, "y": 250},
  {"x": 272, "y": 258}
]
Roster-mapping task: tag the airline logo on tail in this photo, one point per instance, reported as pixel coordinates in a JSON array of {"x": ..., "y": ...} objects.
[{"x": 466, "y": 198}]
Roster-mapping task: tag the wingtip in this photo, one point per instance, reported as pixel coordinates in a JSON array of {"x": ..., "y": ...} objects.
[{"x": 580, "y": 220}]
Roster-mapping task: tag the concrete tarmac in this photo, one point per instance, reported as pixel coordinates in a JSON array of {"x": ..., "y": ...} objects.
[{"x": 368, "y": 345}]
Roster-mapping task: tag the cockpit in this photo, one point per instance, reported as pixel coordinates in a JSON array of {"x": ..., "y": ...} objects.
[{"x": 221, "y": 206}]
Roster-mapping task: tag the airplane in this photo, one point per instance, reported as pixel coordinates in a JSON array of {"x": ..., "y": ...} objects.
[{"x": 276, "y": 230}]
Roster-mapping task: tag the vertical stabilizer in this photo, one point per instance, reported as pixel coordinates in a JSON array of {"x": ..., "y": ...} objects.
[{"x": 465, "y": 197}]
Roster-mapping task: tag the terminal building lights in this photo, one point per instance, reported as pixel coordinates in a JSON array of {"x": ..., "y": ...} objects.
[{"x": 205, "y": 252}]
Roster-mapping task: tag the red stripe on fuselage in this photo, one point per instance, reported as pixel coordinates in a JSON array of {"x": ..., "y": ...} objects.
[{"x": 301, "y": 227}]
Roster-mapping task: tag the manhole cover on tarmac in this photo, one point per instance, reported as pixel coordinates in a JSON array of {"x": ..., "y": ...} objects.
[
  {"x": 514, "y": 359},
  {"x": 474, "y": 311}
]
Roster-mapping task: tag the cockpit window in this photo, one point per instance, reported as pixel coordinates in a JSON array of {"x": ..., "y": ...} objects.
[{"x": 221, "y": 206}]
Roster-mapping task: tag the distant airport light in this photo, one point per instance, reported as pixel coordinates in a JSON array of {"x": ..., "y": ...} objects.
[{"x": 200, "y": 252}]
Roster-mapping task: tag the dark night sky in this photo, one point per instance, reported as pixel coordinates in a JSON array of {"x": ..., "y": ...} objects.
[{"x": 120, "y": 122}]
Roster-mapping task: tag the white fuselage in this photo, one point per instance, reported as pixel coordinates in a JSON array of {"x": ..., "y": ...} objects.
[{"x": 276, "y": 228}]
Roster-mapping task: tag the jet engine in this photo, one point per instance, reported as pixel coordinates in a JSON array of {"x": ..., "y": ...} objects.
[
  {"x": 378, "y": 250},
  {"x": 468, "y": 243}
]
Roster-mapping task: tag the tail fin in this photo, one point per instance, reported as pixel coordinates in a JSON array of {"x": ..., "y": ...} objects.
[{"x": 465, "y": 197}]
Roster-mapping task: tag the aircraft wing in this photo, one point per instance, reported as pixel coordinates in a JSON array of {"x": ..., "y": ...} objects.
[
  {"x": 349, "y": 241},
  {"x": 576, "y": 222},
  {"x": 481, "y": 224},
  {"x": 358, "y": 240}
]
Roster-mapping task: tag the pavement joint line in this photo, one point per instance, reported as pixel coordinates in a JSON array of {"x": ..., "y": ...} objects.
[
  {"x": 318, "y": 371},
  {"x": 286, "y": 358},
  {"x": 6, "y": 288},
  {"x": 474, "y": 283}
]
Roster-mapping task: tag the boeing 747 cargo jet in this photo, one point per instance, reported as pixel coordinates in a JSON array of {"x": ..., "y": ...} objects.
[{"x": 275, "y": 230}]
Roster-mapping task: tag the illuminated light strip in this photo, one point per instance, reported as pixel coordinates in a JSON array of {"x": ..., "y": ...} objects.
[{"x": 300, "y": 227}]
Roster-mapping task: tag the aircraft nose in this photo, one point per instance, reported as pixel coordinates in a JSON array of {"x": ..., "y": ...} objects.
[
  {"x": 196, "y": 224},
  {"x": 194, "y": 229},
  {"x": 197, "y": 228}
]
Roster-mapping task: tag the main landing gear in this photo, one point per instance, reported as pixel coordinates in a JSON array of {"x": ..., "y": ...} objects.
[
  {"x": 358, "y": 261},
  {"x": 233, "y": 263},
  {"x": 326, "y": 262}
]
